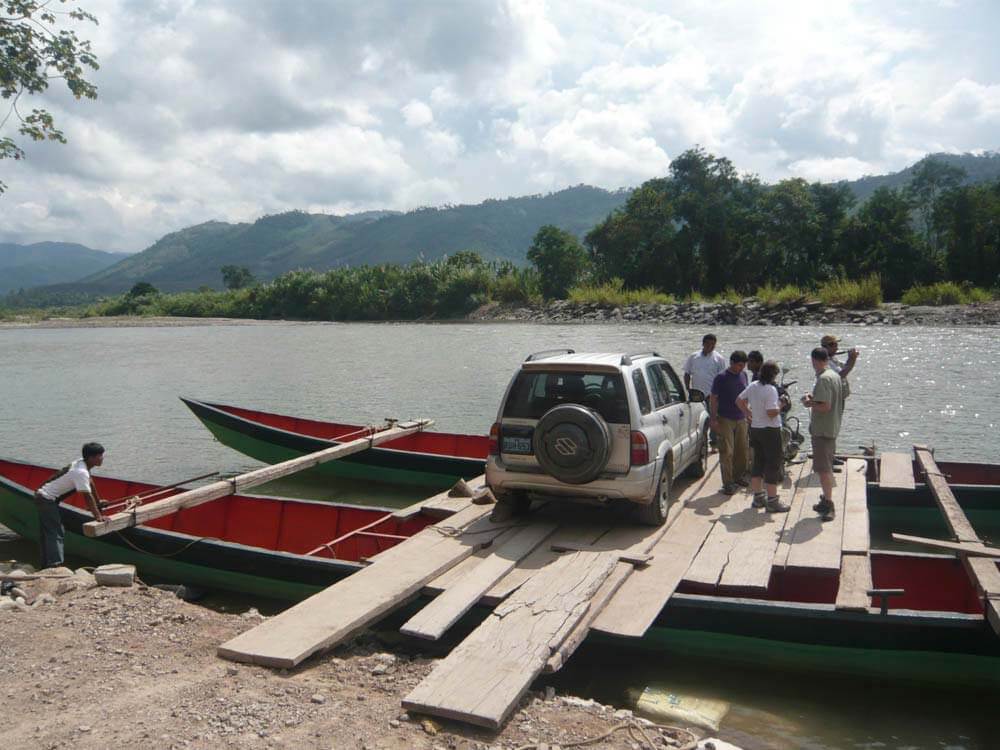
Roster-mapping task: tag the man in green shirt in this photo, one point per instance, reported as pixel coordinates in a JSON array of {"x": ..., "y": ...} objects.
[{"x": 826, "y": 403}]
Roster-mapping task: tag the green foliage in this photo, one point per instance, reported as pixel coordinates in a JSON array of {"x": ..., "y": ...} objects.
[
  {"x": 33, "y": 51},
  {"x": 237, "y": 277},
  {"x": 945, "y": 293},
  {"x": 771, "y": 295},
  {"x": 856, "y": 294},
  {"x": 614, "y": 293},
  {"x": 142, "y": 289},
  {"x": 559, "y": 259}
]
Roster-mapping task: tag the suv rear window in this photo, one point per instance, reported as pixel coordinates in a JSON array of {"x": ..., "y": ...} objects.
[{"x": 534, "y": 393}]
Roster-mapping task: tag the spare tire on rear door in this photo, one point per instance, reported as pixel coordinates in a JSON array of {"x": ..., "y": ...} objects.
[{"x": 572, "y": 443}]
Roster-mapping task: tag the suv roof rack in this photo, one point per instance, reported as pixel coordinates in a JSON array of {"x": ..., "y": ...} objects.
[
  {"x": 548, "y": 353},
  {"x": 627, "y": 358}
]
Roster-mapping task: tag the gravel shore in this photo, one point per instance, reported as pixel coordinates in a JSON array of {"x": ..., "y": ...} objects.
[{"x": 84, "y": 666}]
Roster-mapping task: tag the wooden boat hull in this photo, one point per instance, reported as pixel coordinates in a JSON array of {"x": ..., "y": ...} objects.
[
  {"x": 936, "y": 633},
  {"x": 434, "y": 460}
]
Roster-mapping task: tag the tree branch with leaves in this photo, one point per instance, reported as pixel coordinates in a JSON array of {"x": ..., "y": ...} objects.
[{"x": 36, "y": 49}]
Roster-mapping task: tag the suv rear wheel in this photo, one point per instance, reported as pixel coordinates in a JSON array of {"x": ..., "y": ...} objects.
[
  {"x": 699, "y": 466},
  {"x": 655, "y": 512},
  {"x": 572, "y": 443}
]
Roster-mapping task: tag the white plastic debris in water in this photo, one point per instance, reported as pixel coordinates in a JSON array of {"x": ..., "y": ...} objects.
[{"x": 666, "y": 705}]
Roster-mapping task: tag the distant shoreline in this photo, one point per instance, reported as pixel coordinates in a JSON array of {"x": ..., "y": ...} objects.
[{"x": 562, "y": 312}]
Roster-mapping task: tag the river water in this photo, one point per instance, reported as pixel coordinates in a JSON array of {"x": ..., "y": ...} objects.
[{"x": 62, "y": 387}]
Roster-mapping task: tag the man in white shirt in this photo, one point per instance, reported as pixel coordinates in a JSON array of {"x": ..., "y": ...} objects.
[
  {"x": 73, "y": 478},
  {"x": 700, "y": 370}
]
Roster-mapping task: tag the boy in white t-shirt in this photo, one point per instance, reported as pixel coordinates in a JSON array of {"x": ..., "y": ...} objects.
[
  {"x": 74, "y": 478},
  {"x": 760, "y": 402}
]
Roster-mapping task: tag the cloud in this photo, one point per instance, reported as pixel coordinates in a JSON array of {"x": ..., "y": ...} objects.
[{"x": 224, "y": 110}]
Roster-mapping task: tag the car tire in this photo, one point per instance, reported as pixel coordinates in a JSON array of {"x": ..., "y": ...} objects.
[
  {"x": 654, "y": 513},
  {"x": 572, "y": 443},
  {"x": 699, "y": 466}
]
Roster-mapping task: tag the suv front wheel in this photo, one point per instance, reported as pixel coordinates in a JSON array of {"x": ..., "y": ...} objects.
[{"x": 654, "y": 513}]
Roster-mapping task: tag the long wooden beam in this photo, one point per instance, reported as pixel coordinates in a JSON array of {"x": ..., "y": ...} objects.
[
  {"x": 237, "y": 484},
  {"x": 954, "y": 516},
  {"x": 966, "y": 548}
]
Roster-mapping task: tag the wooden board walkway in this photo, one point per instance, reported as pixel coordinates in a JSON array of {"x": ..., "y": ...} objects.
[
  {"x": 816, "y": 544},
  {"x": 327, "y": 618},
  {"x": 481, "y": 680},
  {"x": 895, "y": 471}
]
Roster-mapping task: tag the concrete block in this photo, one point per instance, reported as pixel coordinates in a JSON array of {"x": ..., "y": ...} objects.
[{"x": 115, "y": 575}]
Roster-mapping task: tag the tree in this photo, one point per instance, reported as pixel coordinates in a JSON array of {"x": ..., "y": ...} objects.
[
  {"x": 930, "y": 179},
  {"x": 34, "y": 51},
  {"x": 559, "y": 258},
  {"x": 967, "y": 220},
  {"x": 143, "y": 289},
  {"x": 237, "y": 277}
]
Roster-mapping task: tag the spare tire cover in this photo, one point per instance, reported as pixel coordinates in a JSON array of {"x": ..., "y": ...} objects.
[{"x": 572, "y": 443}]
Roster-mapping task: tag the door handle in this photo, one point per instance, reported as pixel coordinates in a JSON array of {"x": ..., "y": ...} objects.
[{"x": 666, "y": 419}]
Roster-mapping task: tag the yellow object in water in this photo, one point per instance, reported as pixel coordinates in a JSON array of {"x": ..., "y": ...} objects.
[{"x": 665, "y": 705}]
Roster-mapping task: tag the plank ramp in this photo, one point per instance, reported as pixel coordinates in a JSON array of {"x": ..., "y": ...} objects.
[
  {"x": 444, "y": 503},
  {"x": 334, "y": 614},
  {"x": 954, "y": 516},
  {"x": 757, "y": 532},
  {"x": 857, "y": 531},
  {"x": 433, "y": 620},
  {"x": 815, "y": 544},
  {"x": 855, "y": 582},
  {"x": 794, "y": 515},
  {"x": 481, "y": 681},
  {"x": 896, "y": 471}
]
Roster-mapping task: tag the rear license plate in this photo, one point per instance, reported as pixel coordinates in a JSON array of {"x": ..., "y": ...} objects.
[{"x": 517, "y": 445}]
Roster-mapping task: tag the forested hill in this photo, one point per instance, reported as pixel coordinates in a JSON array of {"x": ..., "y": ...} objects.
[
  {"x": 24, "y": 266},
  {"x": 978, "y": 168},
  {"x": 274, "y": 244}
]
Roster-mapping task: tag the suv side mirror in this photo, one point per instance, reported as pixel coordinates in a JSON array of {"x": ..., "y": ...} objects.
[{"x": 695, "y": 396}]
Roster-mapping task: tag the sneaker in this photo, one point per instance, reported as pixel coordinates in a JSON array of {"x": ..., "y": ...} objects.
[
  {"x": 827, "y": 511},
  {"x": 742, "y": 482},
  {"x": 759, "y": 500},
  {"x": 774, "y": 505},
  {"x": 818, "y": 507},
  {"x": 728, "y": 489}
]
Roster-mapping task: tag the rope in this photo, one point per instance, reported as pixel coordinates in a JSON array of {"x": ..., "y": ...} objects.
[
  {"x": 170, "y": 554},
  {"x": 635, "y": 731}
]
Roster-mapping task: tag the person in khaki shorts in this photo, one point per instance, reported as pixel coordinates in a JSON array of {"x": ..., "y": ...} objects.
[{"x": 826, "y": 405}]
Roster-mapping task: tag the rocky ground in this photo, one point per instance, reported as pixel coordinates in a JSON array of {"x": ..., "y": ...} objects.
[
  {"x": 748, "y": 312},
  {"x": 88, "y": 666}
]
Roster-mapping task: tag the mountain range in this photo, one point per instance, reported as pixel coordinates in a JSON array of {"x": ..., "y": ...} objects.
[{"x": 497, "y": 229}]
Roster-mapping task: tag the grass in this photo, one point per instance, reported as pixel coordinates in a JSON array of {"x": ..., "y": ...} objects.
[
  {"x": 614, "y": 293},
  {"x": 945, "y": 293},
  {"x": 861, "y": 294},
  {"x": 769, "y": 295}
]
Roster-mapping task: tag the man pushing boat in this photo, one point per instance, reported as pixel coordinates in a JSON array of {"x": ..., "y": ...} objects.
[{"x": 73, "y": 478}]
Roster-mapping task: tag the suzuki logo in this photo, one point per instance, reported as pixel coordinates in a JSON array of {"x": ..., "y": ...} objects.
[{"x": 565, "y": 446}]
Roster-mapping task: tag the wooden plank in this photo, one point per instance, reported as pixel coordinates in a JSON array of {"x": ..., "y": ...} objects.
[
  {"x": 442, "y": 504},
  {"x": 634, "y": 558},
  {"x": 986, "y": 575},
  {"x": 615, "y": 536},
  {"x": 243, "y": 482},
  {"x": 857, "y": 530},
  {"x": 440, "y": 584},
  {"x": 711, "y": 559},
  {"x": 482, "y": 679},
  {"x": 757, "y": 532},
  {"x": 644, "y": 593},
  {"x": 855, "y": 582},
  {"x": 954, "y": 516},
  {"x": 896, "y": 471},
  {"x": 598, "y": 602},
  {"x": 433, "y": 620},
  {"x": 967, "y": 548},
  {"x": 816, "y": 544},
  {"x": 804, "y": 480},
  {"x": 327, "y": 618}
]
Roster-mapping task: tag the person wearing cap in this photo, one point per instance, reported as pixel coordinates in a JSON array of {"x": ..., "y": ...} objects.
[
  {"x": 826, "y": 404},
  {"x": 729, "y": 422},
  {"x": 831, "y": 343},
  {"x": 73, "y": 478}
]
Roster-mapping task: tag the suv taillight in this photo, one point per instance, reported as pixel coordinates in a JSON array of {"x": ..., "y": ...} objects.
[
  {"x": 639, "y": 455},
  {"x": 495, "y": 439}
]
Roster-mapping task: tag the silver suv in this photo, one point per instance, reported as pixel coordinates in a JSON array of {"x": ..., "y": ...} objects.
[{"x": 597, "y": 426}]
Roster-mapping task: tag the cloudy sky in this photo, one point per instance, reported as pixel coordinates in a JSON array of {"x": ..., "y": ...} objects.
[{"x": 230, "y": 109}]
